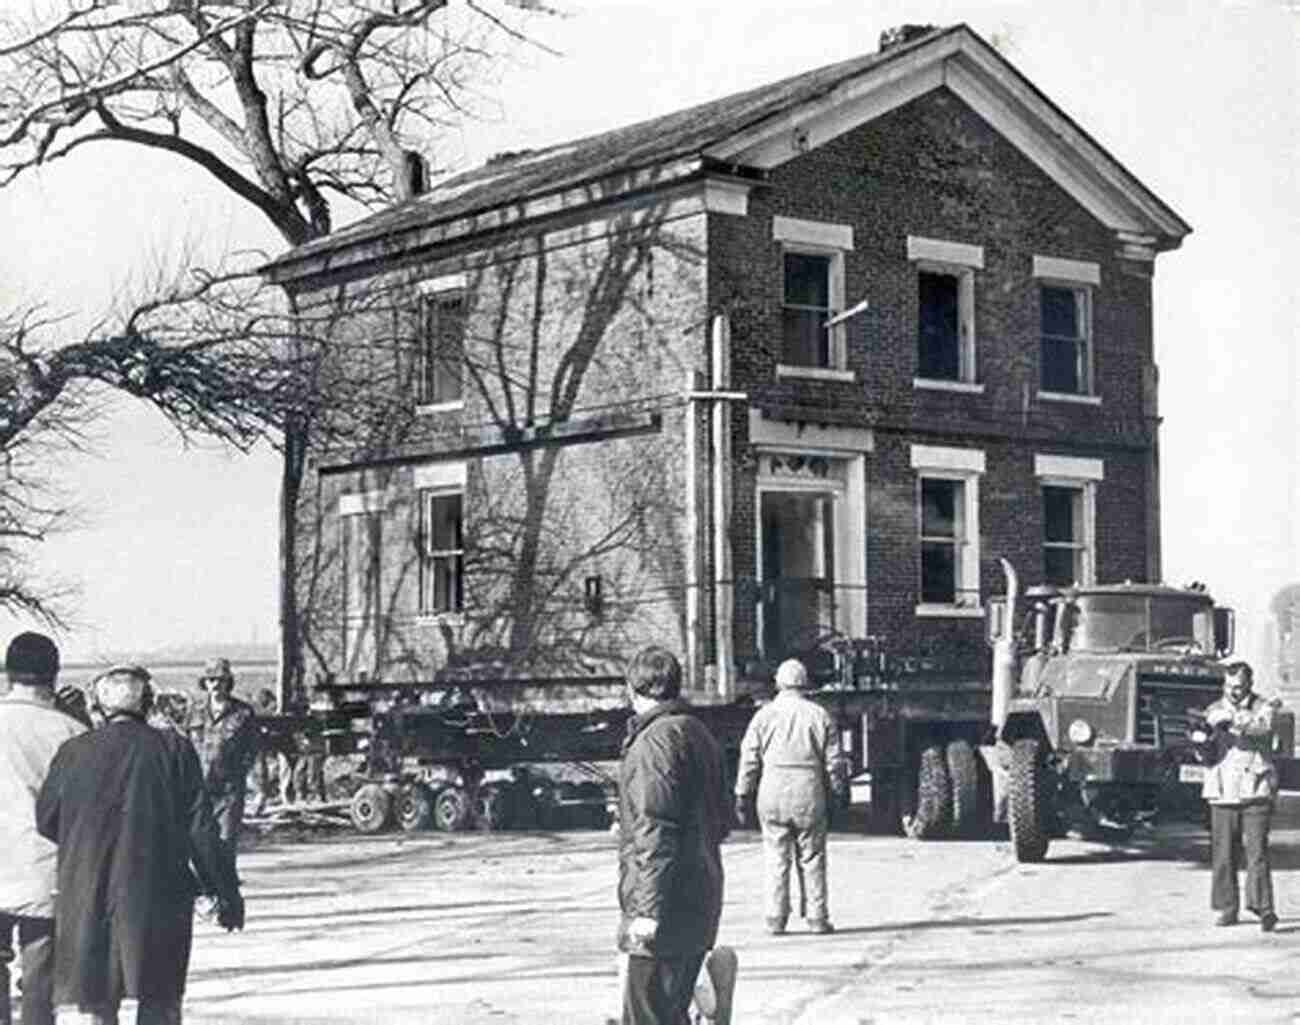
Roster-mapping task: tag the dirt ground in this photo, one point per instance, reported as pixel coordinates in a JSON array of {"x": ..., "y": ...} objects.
[{"x": 471, "y": 929}]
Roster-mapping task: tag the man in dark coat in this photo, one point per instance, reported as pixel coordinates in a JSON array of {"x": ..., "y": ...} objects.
[
  {"x": 225, "y": 734},
  {"x": 136, "y": 843},
  {"x": 673, "y": 815}
]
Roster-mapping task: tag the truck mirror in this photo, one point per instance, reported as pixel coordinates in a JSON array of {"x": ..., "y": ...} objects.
[
  {"x": 995, "y": 620},
  {"x": 1225, "y": 629}
]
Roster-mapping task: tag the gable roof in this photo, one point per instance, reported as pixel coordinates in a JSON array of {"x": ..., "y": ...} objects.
[{"x": 753, "y": 131}]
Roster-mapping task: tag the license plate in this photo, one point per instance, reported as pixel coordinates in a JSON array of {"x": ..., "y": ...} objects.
[{"x": 1191, "y": 773}]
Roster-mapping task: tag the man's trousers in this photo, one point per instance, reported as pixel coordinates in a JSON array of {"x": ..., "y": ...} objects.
[
  {"x": 36, "y": 955},
  {"x": 1233, "y": 827}
]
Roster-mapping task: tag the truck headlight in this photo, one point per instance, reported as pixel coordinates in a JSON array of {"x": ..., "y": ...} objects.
[{"x": 1080, "y": 732}]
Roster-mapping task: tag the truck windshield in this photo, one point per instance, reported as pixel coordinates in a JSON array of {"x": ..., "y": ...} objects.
[{"x": 1122, "y": 622}]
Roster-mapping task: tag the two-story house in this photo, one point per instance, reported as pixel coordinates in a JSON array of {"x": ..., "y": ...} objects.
[{"x": 806, "y": 359}]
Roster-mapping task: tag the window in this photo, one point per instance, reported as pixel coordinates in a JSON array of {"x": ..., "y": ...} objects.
[
  {"x": 805, "y": 309},
  {"x": 443, "y": 556},
  {"x": 812, "y": 291},
  {"x": 948, "y": 529},
  {"x": 945, "y": 317},
  {"x": 1068, "y": 486},
  {"x": 442, "y": 348},
  {"x": 1065, "y": 351}
]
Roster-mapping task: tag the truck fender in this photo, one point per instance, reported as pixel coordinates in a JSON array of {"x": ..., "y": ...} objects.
[{"x": 997, "y": 757}]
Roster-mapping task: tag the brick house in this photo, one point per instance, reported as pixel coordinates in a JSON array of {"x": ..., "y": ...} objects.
[{"x": 805, "y": 359}]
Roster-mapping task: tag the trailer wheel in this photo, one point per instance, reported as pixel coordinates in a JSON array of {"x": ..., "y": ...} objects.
[
  {"x": 415, "y": 807},
  {"x": 963, "y": 771},
  {"x": 371, "y": 808},
  {"x": 1027, "y": 806},
  {"x": 933, "y": 797},
  {"x": 492, "y": 807},
  {"x": 451, "y": 808}
]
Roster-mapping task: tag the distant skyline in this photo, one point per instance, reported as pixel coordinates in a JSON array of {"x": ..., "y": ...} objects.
[{"x": 1197, "y": 100}]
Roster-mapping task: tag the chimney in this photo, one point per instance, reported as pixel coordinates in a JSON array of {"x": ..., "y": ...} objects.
[
  {"x": 900, "y": 35},
  {"x": 417, "y": 172}
]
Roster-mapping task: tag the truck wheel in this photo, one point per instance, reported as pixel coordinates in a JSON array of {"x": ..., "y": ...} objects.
[
  {"x": 1026, "y": 808},
  {"x": 371, "y": 808},
  {"x": 415, "y": 807},
  {"x": 451, "y": 809},
  {"x": 933, "y": 797},
  {"x": 492, "y": 808},
  {"x": 963, "y": 771}
]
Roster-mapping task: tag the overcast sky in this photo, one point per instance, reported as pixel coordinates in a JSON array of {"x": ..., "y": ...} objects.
[{"x": 1197, "y": 99}]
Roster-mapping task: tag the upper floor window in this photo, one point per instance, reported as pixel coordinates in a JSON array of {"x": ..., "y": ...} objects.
[
  {"x": 442, "y": 555},
  {"x": 1069, "y": 494},
  {"x": 442, "y": 341},
  {"x": 947, "y": 493},
  {"x": 1065, "y": 325},
  {"x": 945, "y": 287},
  {"x": 812, "y": 292}
]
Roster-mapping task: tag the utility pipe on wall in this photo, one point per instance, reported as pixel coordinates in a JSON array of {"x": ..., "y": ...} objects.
[{"x": 723, "y": 590}]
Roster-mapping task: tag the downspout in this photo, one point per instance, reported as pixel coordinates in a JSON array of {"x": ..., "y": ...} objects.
[{"x": 723, "y": 588}]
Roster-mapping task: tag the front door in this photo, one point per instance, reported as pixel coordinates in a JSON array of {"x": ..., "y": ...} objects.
[{"x": 798, "y": 559}]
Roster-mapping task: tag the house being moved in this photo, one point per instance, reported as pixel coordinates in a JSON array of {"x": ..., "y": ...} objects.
[{"x": 800, "y": 362}]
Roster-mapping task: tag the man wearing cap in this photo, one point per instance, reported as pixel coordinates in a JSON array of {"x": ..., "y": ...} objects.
[
  {"x": 790, "y": 752},
  {"x": 1240, "y": 789},
  {"x": 225, "y": 734},
  {"x": 32, "y": 729},
  {"x": 136, "y": 843},
  {"x": 672, "y": 819}
]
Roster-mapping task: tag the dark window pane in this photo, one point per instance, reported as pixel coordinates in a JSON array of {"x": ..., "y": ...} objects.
[
  {"x": 807, "y": 280},
  {"x": 938, "y": 573},
  {"x": 939, "y": 507},
  {"x": 1058, "y": 566},
  {"x": 444, "y": 349},
  {"x": 1060, "y": 366},
  {"x": 1060, "y": 312},
  {"x": 938, "y": 320},
  {"x": 805, "y": 341},
  {"x": 444, "y": 523},
  {"x": 1058, "y": 514}
]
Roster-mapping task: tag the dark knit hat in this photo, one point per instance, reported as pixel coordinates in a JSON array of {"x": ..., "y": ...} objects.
[{"x": 32, "y": 654}]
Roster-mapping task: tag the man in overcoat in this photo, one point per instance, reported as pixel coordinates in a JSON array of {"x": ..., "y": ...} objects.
[
  {"x": 136, "y": 844},
  {"x": 673, "y": 815}
]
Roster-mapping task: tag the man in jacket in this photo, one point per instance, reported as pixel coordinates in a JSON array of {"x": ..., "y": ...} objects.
[
  {"x": 1240, "y": 789},
  {"x": 789, "y": 752},
  {"x": 227, "y": 739},
  {"x": 32, "y": 728},
  {"x": 672, "y": 819},
  {"x": 136, "y": 843}
]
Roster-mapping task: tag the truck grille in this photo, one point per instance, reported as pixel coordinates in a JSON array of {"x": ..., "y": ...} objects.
[{"x": 1165, "y": 708}]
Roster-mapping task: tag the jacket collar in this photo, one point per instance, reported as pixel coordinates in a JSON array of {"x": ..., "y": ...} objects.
[{"x": 638, "y": 723}]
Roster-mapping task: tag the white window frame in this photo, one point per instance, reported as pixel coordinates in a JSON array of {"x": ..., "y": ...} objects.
[
  {"x": 1082, "y": 476},
  {"x": 433, "y": 291},
  {"x": 818, "y": 238},
  {"x": 438, "y": 480},
  {"x": 1082, "y": 278},
  {"x": 958, "y": 260},
  {"x": 966, "y": 466}
]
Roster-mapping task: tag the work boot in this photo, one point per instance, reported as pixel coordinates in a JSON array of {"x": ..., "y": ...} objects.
[
  {"x": 820, "y": 926},
  {"x": 776, "y": 926},
  {"x": 1267, "y": 921},
  {"x": 1228, "y": 917}
]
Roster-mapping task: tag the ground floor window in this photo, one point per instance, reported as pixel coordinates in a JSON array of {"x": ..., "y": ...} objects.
[{"x": 442, "y": 559}]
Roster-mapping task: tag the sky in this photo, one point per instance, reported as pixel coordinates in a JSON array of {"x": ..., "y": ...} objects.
[{"x": 1198, "y": 99}]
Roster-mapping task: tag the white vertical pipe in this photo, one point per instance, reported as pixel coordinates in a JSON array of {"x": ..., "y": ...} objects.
[
  {"x": 694, "y": 556},
  {"x": 724, "y": 600}
]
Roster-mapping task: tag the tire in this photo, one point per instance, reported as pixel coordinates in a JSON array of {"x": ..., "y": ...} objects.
[
  {"x": 415, "y": 807},
  {"x": 492, "y": 808},
  {"x": 933, "y": 808},
  {"x": 371, "y": 808},
  {"x": 964, "y": 774},
  {"x": 593, "y": 815},
  {"x": 1026, "y": 811},
  {"x": 451, "y": 811}
]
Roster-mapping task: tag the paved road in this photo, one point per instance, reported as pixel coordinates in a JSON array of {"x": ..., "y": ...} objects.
[{"x": 474, "y": 929}]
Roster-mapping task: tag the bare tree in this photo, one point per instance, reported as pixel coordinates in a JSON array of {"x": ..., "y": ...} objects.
[{"x": 290, "y": 105}]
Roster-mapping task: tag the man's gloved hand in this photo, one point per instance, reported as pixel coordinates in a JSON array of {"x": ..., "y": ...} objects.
[
  {"x": 1218, "y": 716},
  {"x": 642, "y": 931},
  {"x": 744, "y": 811},
  {"x": 71, "y": 701},
  {"x": 230, "y": 913}
]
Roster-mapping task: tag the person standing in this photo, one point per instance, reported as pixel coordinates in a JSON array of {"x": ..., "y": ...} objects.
[
  {"x": 790, "y": 752},
  {"x": 137, "y": 843},
  {"x": 1240, "y": 788},
  {"x": 672, "y": 821},
  {"x": 32, "y": 728},
  {"x": 225, "y": 734}
]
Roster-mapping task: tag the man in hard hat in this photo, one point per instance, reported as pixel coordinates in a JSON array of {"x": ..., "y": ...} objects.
[
  {"x": 225, "y": 734},
  {"x": 32, "y": 728},
  {"x": 790, "y": 753},
  {"x": 136, "y": 843}
]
